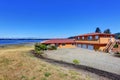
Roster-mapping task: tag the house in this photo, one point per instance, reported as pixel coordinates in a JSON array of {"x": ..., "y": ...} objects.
[
  {"x": 61, "y": 43},
  {"x": 94, "y": 41}
]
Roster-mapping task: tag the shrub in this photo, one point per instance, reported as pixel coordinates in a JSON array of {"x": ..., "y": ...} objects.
[
  {"x": 117, "y": 54},
  {"x": 39, "y": 48},
  {"x": 116, "y": 46},
  {"x": 75, "y": 61},
  {"x": 51, "y": 47},
  {"x": 47, "y": 74},
  {"x": 119, "y": 37}
]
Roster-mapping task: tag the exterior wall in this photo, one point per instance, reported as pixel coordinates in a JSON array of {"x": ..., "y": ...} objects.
[
  {"x": 66, "y": 46},
  {"x": 104, "y": 40},
  {"x": 96, "y": 47},
  {"x": 100, "y": 48},
  {"x": 87, "y": 42},
  {"x": 98, "y": 44}
]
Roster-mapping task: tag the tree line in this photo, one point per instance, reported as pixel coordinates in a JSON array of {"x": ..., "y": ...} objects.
[{"x": 105, "y": 31}]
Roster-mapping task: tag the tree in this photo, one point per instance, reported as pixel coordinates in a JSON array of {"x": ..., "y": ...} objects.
[
  {"x": 118, "y": 36},
  {"x": 107, "y": 31},
  {"x": 97, "y": 30}
]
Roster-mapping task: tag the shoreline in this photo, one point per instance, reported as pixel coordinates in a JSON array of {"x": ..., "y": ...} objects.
[{"x": 5, "y": 46}]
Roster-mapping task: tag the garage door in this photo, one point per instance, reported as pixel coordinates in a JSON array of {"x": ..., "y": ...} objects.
[
  {"x": 91, "y": 47},
  {"x": 84, "y": 46},
  {"x": 79, "y": 45}
]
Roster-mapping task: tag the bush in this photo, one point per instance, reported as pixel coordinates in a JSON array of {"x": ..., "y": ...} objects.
[
  {"x": 119, "y": 37},
  {"x": 75, "y": 61},
  {"x": 51, "y": 47},
  {"x": 39, "y": 48},
  {"x": 117, "y": 54},
  {"x": 47, "y": 74},
  {"x": 116, "y": 46}
]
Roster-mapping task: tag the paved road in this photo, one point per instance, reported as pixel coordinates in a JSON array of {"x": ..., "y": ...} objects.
[{"x": 103, "y": 61}]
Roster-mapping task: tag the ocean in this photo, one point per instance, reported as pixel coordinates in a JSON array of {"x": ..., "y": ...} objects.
[{"x": 18, "y": 41}]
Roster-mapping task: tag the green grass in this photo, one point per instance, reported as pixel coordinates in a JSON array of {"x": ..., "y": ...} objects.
[{"x": 75, "y": 61}]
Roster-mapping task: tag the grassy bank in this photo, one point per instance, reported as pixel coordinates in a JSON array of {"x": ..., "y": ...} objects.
[{"x": 17, "y": 63}]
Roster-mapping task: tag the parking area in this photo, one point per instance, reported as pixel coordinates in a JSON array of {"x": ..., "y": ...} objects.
[{"x": 99, "y": 60}]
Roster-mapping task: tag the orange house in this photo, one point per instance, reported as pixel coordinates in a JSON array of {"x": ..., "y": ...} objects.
[
  {"x": 61, "y": 43},
  {"x": 94, "y": 41}
]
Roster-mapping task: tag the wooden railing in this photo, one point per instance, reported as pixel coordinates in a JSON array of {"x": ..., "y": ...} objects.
[{"x": 109, "y": 46}]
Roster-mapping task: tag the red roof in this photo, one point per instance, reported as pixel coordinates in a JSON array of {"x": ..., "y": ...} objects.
[
  {"x": 94, "y": 34},
  {"x": 53, "y": 41}
]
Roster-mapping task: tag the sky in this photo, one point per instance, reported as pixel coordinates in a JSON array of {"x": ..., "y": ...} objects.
[{"x": 57, "y": 18}]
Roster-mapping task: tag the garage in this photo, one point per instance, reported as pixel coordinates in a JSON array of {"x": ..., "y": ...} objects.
[
  {"x": 79, "y": 45},
  {"x": 84, "y": 46},
  {"x": 90, "y": 47}
]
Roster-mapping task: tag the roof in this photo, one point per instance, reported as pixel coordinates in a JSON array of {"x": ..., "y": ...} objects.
[
  {"x": 94, "y": 34},
  {"x": 53, "y": 41}
]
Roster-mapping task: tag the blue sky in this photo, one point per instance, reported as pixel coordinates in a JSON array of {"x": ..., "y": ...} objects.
[{"x": 57, "y": 18}]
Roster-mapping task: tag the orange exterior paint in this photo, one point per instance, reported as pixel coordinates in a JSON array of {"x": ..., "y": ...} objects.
[
  {"x": 95, "y": 41},
  {"x": 67, "y": 46},
  {"x": 61, "y": 43},
  {"x": 98, "y": 41}
]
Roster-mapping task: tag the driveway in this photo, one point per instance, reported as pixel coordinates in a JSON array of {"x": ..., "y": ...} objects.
[{"x": 99, "y": 60}]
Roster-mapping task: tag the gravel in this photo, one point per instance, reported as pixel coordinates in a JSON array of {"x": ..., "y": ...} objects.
[{"x": 99, "y": 60}]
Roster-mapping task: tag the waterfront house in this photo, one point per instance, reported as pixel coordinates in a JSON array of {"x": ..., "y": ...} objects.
[{"x": 94, "y": 41}]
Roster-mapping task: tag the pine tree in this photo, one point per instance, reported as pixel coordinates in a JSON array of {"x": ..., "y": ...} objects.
[
  {"x": 97, "y": 30},
  {"x": 107, "y": 31}
]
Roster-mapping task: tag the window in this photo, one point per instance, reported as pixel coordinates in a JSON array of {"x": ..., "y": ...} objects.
[
  {"x": 78, "y": 38},
  {"x": 83, "y": 38},
  {"x": 89, "y": 37},
  {"x": 96, "y": 37},
  {"x": 63, "y": 44}
]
